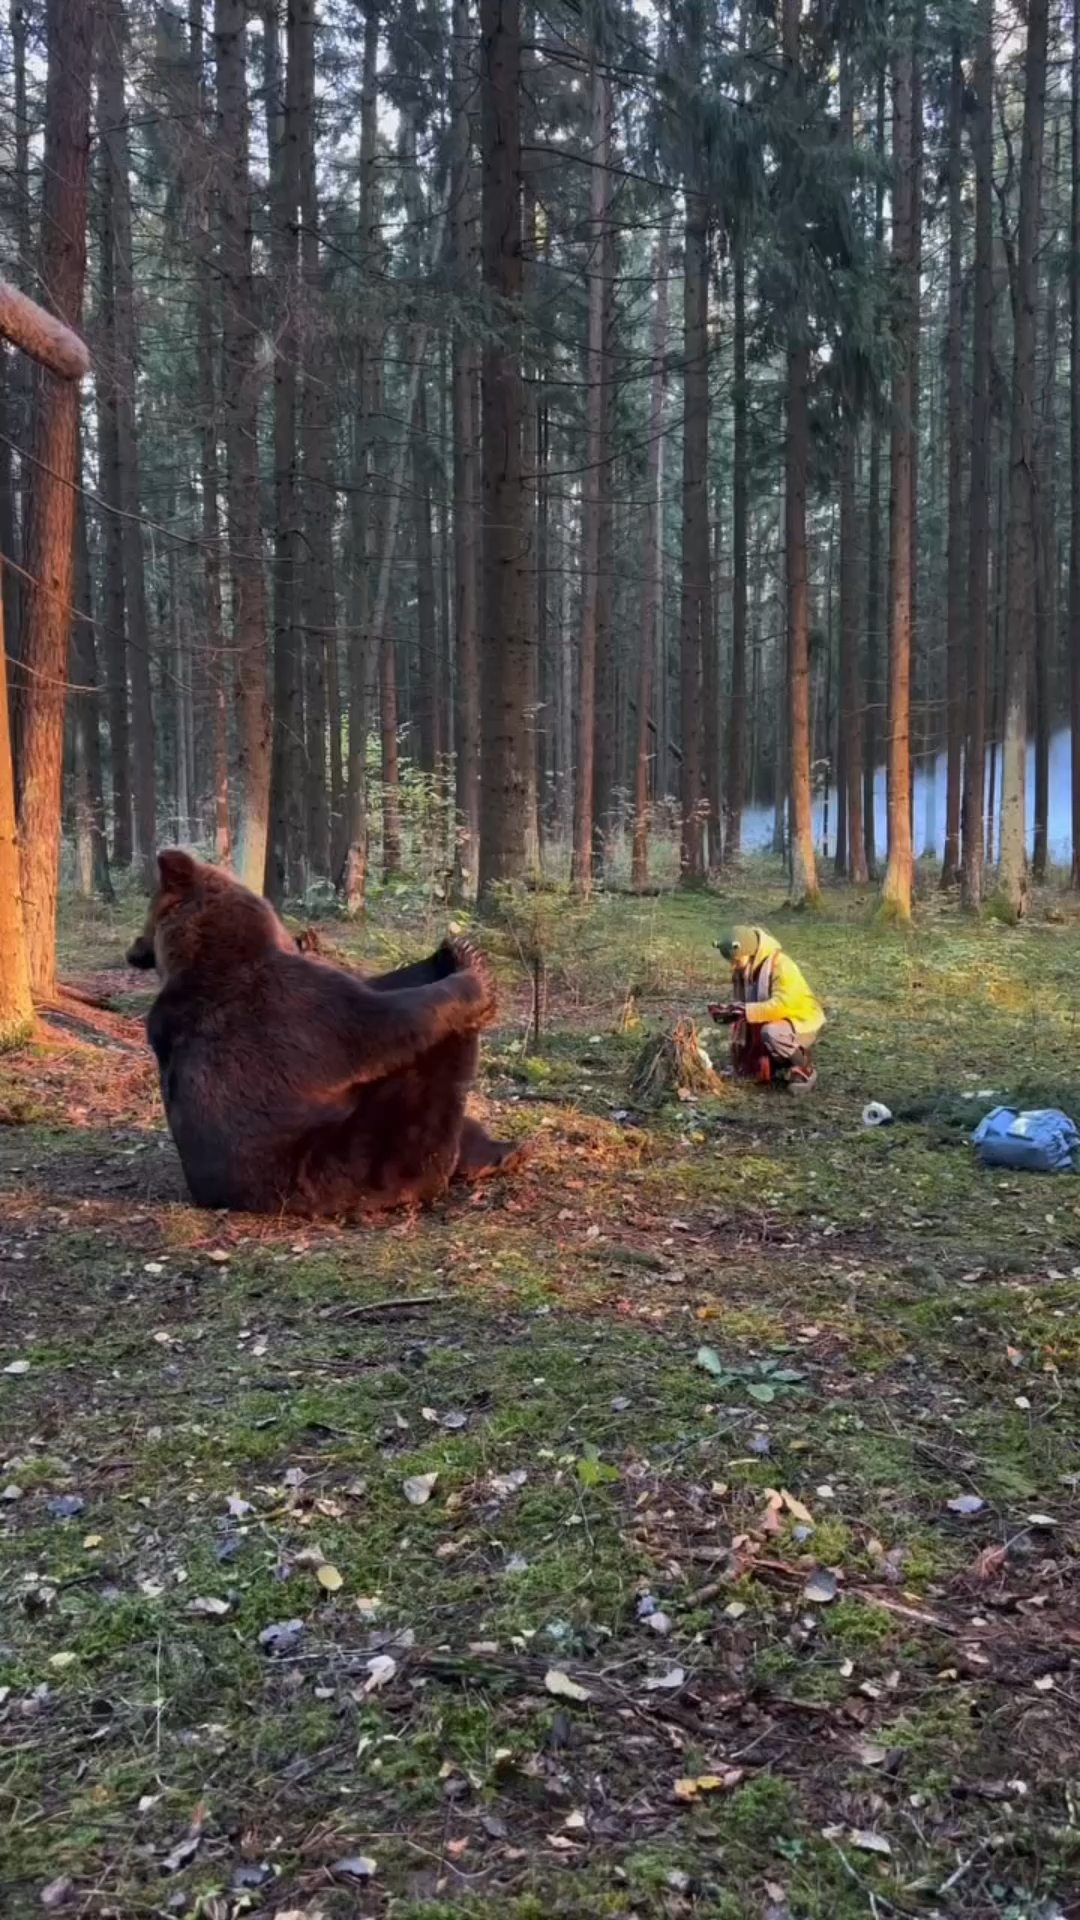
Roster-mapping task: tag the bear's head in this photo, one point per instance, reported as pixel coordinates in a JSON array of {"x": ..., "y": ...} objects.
[{"x": 199, "y": 914}]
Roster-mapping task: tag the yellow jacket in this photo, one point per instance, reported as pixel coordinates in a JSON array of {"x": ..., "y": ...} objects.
[{"x": 773, "y": 988}]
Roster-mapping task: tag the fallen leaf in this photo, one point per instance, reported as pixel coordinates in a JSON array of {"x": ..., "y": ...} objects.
[
  {"x": 658, "y": 1622},
  {"x": 91, "y": 1540},
  {"x": 17, "y": 1366},
  {"x": 821, "y": 1587},
  {"x": 1045, "y": 1683},
  {"x": 871, "y": 1754},
  {"x": 691, "y": 1788},
  {"x": 283, "y": 1636},
  {"x": 329, "y": 1577},
  {"x": 868, "y": 1842},
  {"x": 563, "y": 1687},
  {"x": 709, "y": 1361},
  {"x": 1043, "y": 1520},
  {"x": 454, "y": 1421},
  {"x": 664, "y": 1682},
  {"x": 966, "y": 1503},
  {"x": 796, "y": 1508},
  {"x": 989, "y": 1562},
  {"x": 368, "y": 1605},
  {"x": 218, "y": 1255},
  {"x": 57, "y": 1893},
  {"x": 64, "y": 1506},
  {"x": 61, "y": 1661},
  {"x": 238, "y": 1506},
  {"x": 211, "y": 1608},
  {"x": 419, "y": 1489},
  {"x": 356, "y": 1866},
  {"x": 11, "y": 1492},
  {"x": 182, "y": 1854},
  {"x": 381, "y": 1670},
  {"x": 575, "y": 1822}
]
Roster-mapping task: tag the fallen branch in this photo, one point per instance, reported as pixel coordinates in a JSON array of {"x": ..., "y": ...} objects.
[{"x": 41, "y": 335}]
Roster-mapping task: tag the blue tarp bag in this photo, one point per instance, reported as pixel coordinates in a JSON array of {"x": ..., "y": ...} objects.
[{"x": 1045, "y": 1141}]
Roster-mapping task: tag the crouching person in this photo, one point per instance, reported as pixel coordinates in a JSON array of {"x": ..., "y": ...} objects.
[{"x": 774, "y": 1016}]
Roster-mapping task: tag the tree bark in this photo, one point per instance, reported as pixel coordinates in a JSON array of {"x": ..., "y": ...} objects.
[
  {"x": 850, "y": 845},
  {"x": 91, "y": 846},
  {"x": 1020, "y": 540},
  {"x": 804, "y": 885},
  {"x": 592, "y": 482},
  {"x": 465, "y": 378},
  {"x": 696, "y": 591},
  {"x": 240, "y": 409},
  {"x": 317, "y": 589},
  {"x": 287, "y": 849},
  {"x": 874, "y": 691},
  {"x": 896, "y": 891},
  {"x": 1046, "y": 552},
  {"x": 978, "y": 589},
  {"x": 736, "y": 767},
  {"x": 954, "y": 591},
  {"x": 16, "y": 1004},
  {"x": 388, "y": 724},
  {"x": 428, "y": 690},
  {"x": 1074, "y": 449},
  {"x": 116, "y": 172},
  {"x": 504, "y": 641},
  {"x": 51, "y": 518},
  {"x": 652, "y": 561}
]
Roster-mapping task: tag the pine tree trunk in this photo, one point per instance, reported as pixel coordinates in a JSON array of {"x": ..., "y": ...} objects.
[
  {"x": 954, "y": 593},
  {"x": 1074, "y": 450},
  {"x": 116, "y": 168},
  {"x": 896, "y": 891},
  {"x": 317, "y": 595},
  {"x": 978, "y": 585},
  {"x": 652, "y": 562},
  {"x": 736, "y": 768},
  {"x": 92, "y": 852},
  {"x": 874, "y": 623},
  {"x": 1020, "y": 542},
  {"x": 592, "y": 479},
  {"x": 51, "y": 517},
  {"x": 388, "y": 725},
  {"x": 16, "y": 1005},
  {"x": 1046, "y": 552},
  {"x": 428, "y": 691},
  {"x": 466, "y": 416},
  {"x": 696, "y": 591},
  {"x": 352, "y": 870},
  {"x": 112, "y": 545},
  {"x": 605, "y": 692},
  {"x": 504, "y": 641},
  {"x": 240, "y": 411},
  {"x": 287, "y": 847},
  {"x": 804, "y": 884},
  {"x": 918, "y": 722}
]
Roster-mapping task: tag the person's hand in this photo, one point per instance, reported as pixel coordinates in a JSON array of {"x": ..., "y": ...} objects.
[{"x": 728, "y": 1013}]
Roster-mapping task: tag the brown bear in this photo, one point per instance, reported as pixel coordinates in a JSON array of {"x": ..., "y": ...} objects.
[{"x": 290, "y": 1084}]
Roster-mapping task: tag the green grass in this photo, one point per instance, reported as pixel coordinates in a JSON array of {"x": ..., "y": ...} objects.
[{"x": 585, "y": 1464}]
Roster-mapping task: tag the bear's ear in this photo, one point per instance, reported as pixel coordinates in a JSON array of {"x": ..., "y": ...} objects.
[{"x": 177, "y": 869}]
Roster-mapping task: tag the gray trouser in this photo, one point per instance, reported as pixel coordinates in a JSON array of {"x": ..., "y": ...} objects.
[{"x": 781, "y": 1041}]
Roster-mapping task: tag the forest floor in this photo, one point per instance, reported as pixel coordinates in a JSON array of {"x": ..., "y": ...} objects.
[{"x": 742, "y": 1576}]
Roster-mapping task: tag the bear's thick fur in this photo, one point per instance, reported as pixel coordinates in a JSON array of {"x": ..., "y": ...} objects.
[{"x": 290, "y": 1084}]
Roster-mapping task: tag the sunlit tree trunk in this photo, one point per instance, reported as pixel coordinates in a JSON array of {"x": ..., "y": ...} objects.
[
  {"x": 317, "y": 598},
  {"x": 896, "y": 890},
  {"x": 872, "y": 732},
  {"x": 50, "y": 530},
  {"x": 16, "y": 1005},
  {"x": 1074, "y": 449},
  {"x": 1020, "y": 543}
]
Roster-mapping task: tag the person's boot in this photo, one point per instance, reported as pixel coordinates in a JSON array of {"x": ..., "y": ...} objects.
[{"x": 802, "y": 1074}]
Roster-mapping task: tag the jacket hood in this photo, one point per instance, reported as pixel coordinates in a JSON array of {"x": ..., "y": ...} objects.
[{"x": 754, "y": 945}]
